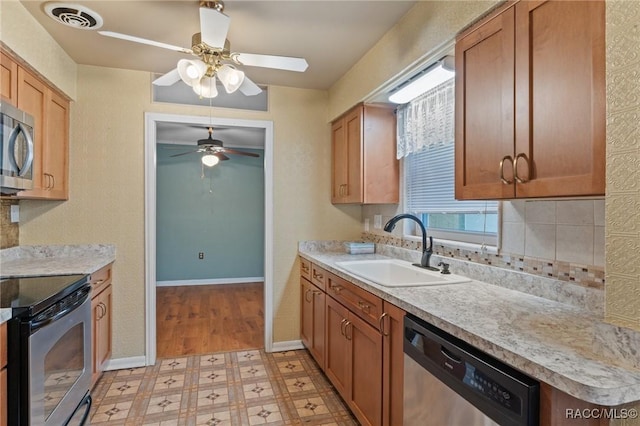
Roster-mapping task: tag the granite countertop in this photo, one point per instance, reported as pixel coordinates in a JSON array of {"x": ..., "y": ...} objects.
[
  {"x": 565, "y": 346},
  {"x": 28, "y": 261}
]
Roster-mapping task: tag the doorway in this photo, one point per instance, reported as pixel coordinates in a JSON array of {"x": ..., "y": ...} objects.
[{"x": 152, "y": 122}]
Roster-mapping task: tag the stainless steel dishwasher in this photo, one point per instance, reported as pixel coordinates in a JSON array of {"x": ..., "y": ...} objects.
[{"x": 448, "y": 382}]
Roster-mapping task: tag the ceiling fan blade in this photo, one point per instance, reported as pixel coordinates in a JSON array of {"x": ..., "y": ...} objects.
[
  {"x": 233, "y": 151},
  {"x": 184, "y": 153},
  {"x": 221, "y": 156},
  {"x": 214, "y": 27},
  {"x": 249, "y": 88},
  {"x": 269, "y": 61},
  {"x": 144, "y": 41},
  {"x": 167, "y": 79}
]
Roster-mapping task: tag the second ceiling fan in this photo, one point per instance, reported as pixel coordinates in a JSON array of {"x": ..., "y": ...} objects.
[
  {"x": 214, "y": 57},
  {"x": 213, "y": 151}
]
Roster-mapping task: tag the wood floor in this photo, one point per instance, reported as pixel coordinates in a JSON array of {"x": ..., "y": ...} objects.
[{"x": 209, "y": 318}]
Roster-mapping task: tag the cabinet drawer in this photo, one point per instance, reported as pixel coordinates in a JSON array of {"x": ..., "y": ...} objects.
[
  {"x": 364, "y": 304},
  {"x": 3, "y": 345},
  {"x": 305, "y": 269},
  {"x": 100, "y": 279},
  {"x": 319, "y": 277}
]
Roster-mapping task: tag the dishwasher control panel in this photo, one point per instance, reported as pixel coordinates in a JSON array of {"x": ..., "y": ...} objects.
[{"x": 488, "y": 387}]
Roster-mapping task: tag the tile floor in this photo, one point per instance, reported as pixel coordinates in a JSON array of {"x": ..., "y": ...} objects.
[{"x": 232, "y": 388}]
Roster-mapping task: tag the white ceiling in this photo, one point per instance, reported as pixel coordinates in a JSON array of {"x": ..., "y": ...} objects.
[{"x": 331, "y": 35}]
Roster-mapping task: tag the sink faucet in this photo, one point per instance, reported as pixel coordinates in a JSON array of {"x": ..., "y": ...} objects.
[{"x": 426, "y": 251}]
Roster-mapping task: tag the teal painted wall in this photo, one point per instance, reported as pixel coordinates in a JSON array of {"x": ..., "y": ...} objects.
[{"x": 221, "y": 215}]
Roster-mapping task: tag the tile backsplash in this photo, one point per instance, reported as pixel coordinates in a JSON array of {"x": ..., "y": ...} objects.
[
  {"x": 9, "y": 232},
  {"x": 561, "y": 239},
  {"x": 568, "y": 231}
]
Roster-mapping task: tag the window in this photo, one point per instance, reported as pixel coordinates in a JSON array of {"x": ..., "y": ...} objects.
[
  {"x": 426, "y": 141},
  {"x": 429, "y": 194}
]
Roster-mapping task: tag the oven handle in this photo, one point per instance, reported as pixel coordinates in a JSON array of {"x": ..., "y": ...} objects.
[{"x": 35, "y": 325}]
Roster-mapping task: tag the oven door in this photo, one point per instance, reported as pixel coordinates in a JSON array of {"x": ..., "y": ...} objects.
[{"x": 60, "y": 366}]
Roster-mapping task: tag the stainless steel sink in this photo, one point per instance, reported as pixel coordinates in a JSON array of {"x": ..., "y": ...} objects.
[{"x": 398, "y": 273}]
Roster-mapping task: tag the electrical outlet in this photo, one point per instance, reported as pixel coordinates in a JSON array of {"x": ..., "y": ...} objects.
[
  {"x": 201, "y": 255},
  {"x": 15, "y": 213},
  {"x": 377, "y": 221}
]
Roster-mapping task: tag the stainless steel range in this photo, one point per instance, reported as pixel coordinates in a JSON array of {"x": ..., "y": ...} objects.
[{"x": 49, "y": 369}]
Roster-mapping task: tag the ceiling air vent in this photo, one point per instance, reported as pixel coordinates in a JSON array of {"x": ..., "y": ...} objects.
[{"x": 74, "y": 15}]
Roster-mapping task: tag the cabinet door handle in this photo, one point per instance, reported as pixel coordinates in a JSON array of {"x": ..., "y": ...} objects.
[
  {"x": 306, "y": 295},
  {"x": 346, "y": 334},
  {"x": 515, "y": 168},
  {"x": 316, "y": 292},
  {"x": 53, "y": 181},
  {"x": 502, "y": 178},
  {"x": 381, "y": 324},
  {"x": 342, "y": 325}
]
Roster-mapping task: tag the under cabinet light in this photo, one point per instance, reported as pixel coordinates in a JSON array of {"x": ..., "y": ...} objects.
[{"x": 431, "y": 77}]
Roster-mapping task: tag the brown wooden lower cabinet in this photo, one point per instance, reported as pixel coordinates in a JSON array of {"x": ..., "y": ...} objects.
[
  {"x": 312, "y": 301},
  {"x": 392, "y": 365},
  {"x": 336, "y": 362},
  {"x": 101, "y": 311},
  {"x": 362, "y": 358}
]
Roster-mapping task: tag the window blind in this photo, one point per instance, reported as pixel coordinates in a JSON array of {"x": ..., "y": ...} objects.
[{"x": 429, "y": 183}]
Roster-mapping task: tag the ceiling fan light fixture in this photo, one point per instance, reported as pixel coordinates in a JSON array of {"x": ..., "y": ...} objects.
[
  {"x": 210, "y": 160},
  {"x": 230, "y": 77},
  {"x": 191, "y": 71},
  {"x": 206, "y": 87}
]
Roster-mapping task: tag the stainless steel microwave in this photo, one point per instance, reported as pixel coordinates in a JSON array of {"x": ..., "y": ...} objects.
[{"x": 16, "y": 150}]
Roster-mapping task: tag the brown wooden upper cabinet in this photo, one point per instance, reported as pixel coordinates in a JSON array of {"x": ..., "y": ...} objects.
[
  {"x": 364, "y": 165},
  {"x": 530, "y": 102},
  {"x": 50, "y": 110}
]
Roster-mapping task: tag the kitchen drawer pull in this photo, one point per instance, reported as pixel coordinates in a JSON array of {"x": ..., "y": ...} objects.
[
  {"x": 305, "y": 268},
  {"x": 502, "y": 178},
  {"x": 306, "y": 295},
  {"x": 97, "y": 283},
  {"x": 364, "y": 307},
  {"x": 381, "y": 324},
  {"x": 317, "y": 275},
  {"x": 336, "y": 288},
  {"x": 342, "y": 324},
  {"x": 515, "y": 168}
]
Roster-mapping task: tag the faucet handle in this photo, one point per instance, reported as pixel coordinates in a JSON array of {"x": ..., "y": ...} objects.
[{"x": 445, "y": 268}]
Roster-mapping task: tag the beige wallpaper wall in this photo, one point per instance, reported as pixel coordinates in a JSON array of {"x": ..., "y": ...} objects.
[
  {"x": 622, "y": 301},
  {"x": 106, "y": 202}
]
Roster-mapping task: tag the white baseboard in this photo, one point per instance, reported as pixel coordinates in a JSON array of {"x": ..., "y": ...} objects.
[
  {"x": 122, "y": 363},
  {"x": 214, "y": 281},
  {"x": 291, "y": 345}
]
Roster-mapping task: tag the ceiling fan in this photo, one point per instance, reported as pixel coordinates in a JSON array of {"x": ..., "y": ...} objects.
[
  {"x": 213, "y": 151},
  {"x": 214, "y": 57}
]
